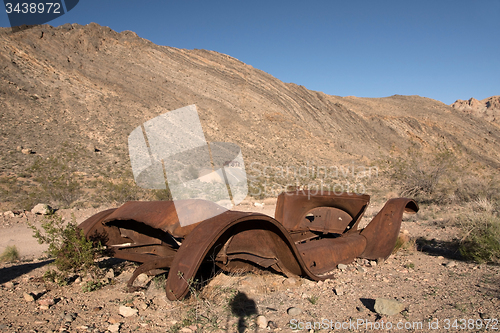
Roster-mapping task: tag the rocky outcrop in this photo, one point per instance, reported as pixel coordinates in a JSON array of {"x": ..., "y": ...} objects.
[{"x": 488, "y": 108}]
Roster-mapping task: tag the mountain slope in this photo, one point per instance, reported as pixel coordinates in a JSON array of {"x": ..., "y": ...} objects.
[{"x": 90, "y": 86}]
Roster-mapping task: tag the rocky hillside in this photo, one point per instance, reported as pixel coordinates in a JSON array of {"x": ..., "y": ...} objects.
[
  {"x": 488, "y": 108},
  {"x": 81, "y": 90}
]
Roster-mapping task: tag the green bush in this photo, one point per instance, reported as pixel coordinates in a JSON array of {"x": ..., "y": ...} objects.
[
  {"x": 480, "y": 236},
  {"x": 67, "y": 244}
]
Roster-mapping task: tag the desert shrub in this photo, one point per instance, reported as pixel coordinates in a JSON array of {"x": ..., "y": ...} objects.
[
  {"x": 67, "y": 244},
  {"x": 420, "y": 176},
  {"x": 120, "y": 191},
  {"x": 57, "y": 180},
  {"x": 480, "y": 236},
  {"x": 439, "y": 177},
  {"x": 10, "y": 254}
]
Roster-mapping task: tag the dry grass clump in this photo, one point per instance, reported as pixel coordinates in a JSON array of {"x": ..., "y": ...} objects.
[
  {"x": 404, "y": 242},
  {"x": 480, "y": 228},
  {"x": 10, "y": 254}
]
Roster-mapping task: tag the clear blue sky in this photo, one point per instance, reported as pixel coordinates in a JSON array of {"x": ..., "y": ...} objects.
[{"x": 445, "y": 50}]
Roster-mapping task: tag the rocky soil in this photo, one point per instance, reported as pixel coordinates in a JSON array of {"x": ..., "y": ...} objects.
[{"x": 430, "y": 286}]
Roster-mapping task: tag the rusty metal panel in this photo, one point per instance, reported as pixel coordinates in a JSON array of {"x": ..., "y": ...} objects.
[
  {"x": 293, "y": 206},
  {"x": 325, "y": 220},
  {"x": 381, "y": 233},
  {"x": 323, "y": 255}
]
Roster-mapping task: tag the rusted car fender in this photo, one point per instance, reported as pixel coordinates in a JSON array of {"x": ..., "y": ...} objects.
[{"x": 274, "y": 247}]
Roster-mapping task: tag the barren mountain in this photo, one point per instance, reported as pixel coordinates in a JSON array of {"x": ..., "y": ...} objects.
[
  {"x": 488, "y": 108},
  {"x": 83, "y": 89}
]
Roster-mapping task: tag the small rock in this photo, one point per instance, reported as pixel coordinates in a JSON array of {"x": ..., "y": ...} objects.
[
  {"x": 185, "y": 330},
  {"x": 140, "y": 304},
  {"x": 114, "y": 319},
  {"x": 127, "y": 311},
  {"x": 42, "y": 209},
  {"x": 272, "y": 325},
  {"x": 46, "y": 302},
  {"x": 451, "y": 264},
  {"x": 9, "y": 285},
  {"x": 339, "y": 291},
  {"x": 485, "y": 315},
  {"x": 360, "y": 269},
  {"x": 385, "y": 306},
  {"x": 320, "y": 283},
  {"x": 9, "y": 213},
  {"x": 141, "y": 278},
  {"x": 114, "y": 328},
  {"x": 291, "y": 281},
  {"x": 78, "y": 280},
  {"x": 68, "y": 318},
  {"x": 110, "y": 274},
  {"x": 342, "y": 267},
  {"x": 256, "y": 204},
  {"x": 193, "y": 328},
  {"x": 28, "y": 297},
  {"x": 373, "y": 263},
  {"x": 26, "y": 151},
  {"x": 293, "y": 311},
  {"x": 261, "y": 321}
]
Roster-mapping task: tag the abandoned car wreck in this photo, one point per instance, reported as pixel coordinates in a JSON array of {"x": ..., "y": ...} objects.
[{"x": 310, "y": 235}]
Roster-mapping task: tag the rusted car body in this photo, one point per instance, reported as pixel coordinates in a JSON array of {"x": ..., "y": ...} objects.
[{"x": 310, "y": 235}]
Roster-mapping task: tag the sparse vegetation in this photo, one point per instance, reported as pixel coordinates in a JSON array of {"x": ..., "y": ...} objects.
[
  {"x": 57, "y": 180},
  {"x": 404, "y": 242},
  {"x": 480, "y": 236},
  {"x": 10, "y": 254},
  {"x": 90, "y": 286},
  {"x": 67, "y": 244},
  {"x": 313, "y": 299},
  {"x": 57, "y": 277},
  {"x": 439, "y": 177}
]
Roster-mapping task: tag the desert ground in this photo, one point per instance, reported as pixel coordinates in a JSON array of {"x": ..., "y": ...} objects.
[{"x": 436, "y": 291}]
